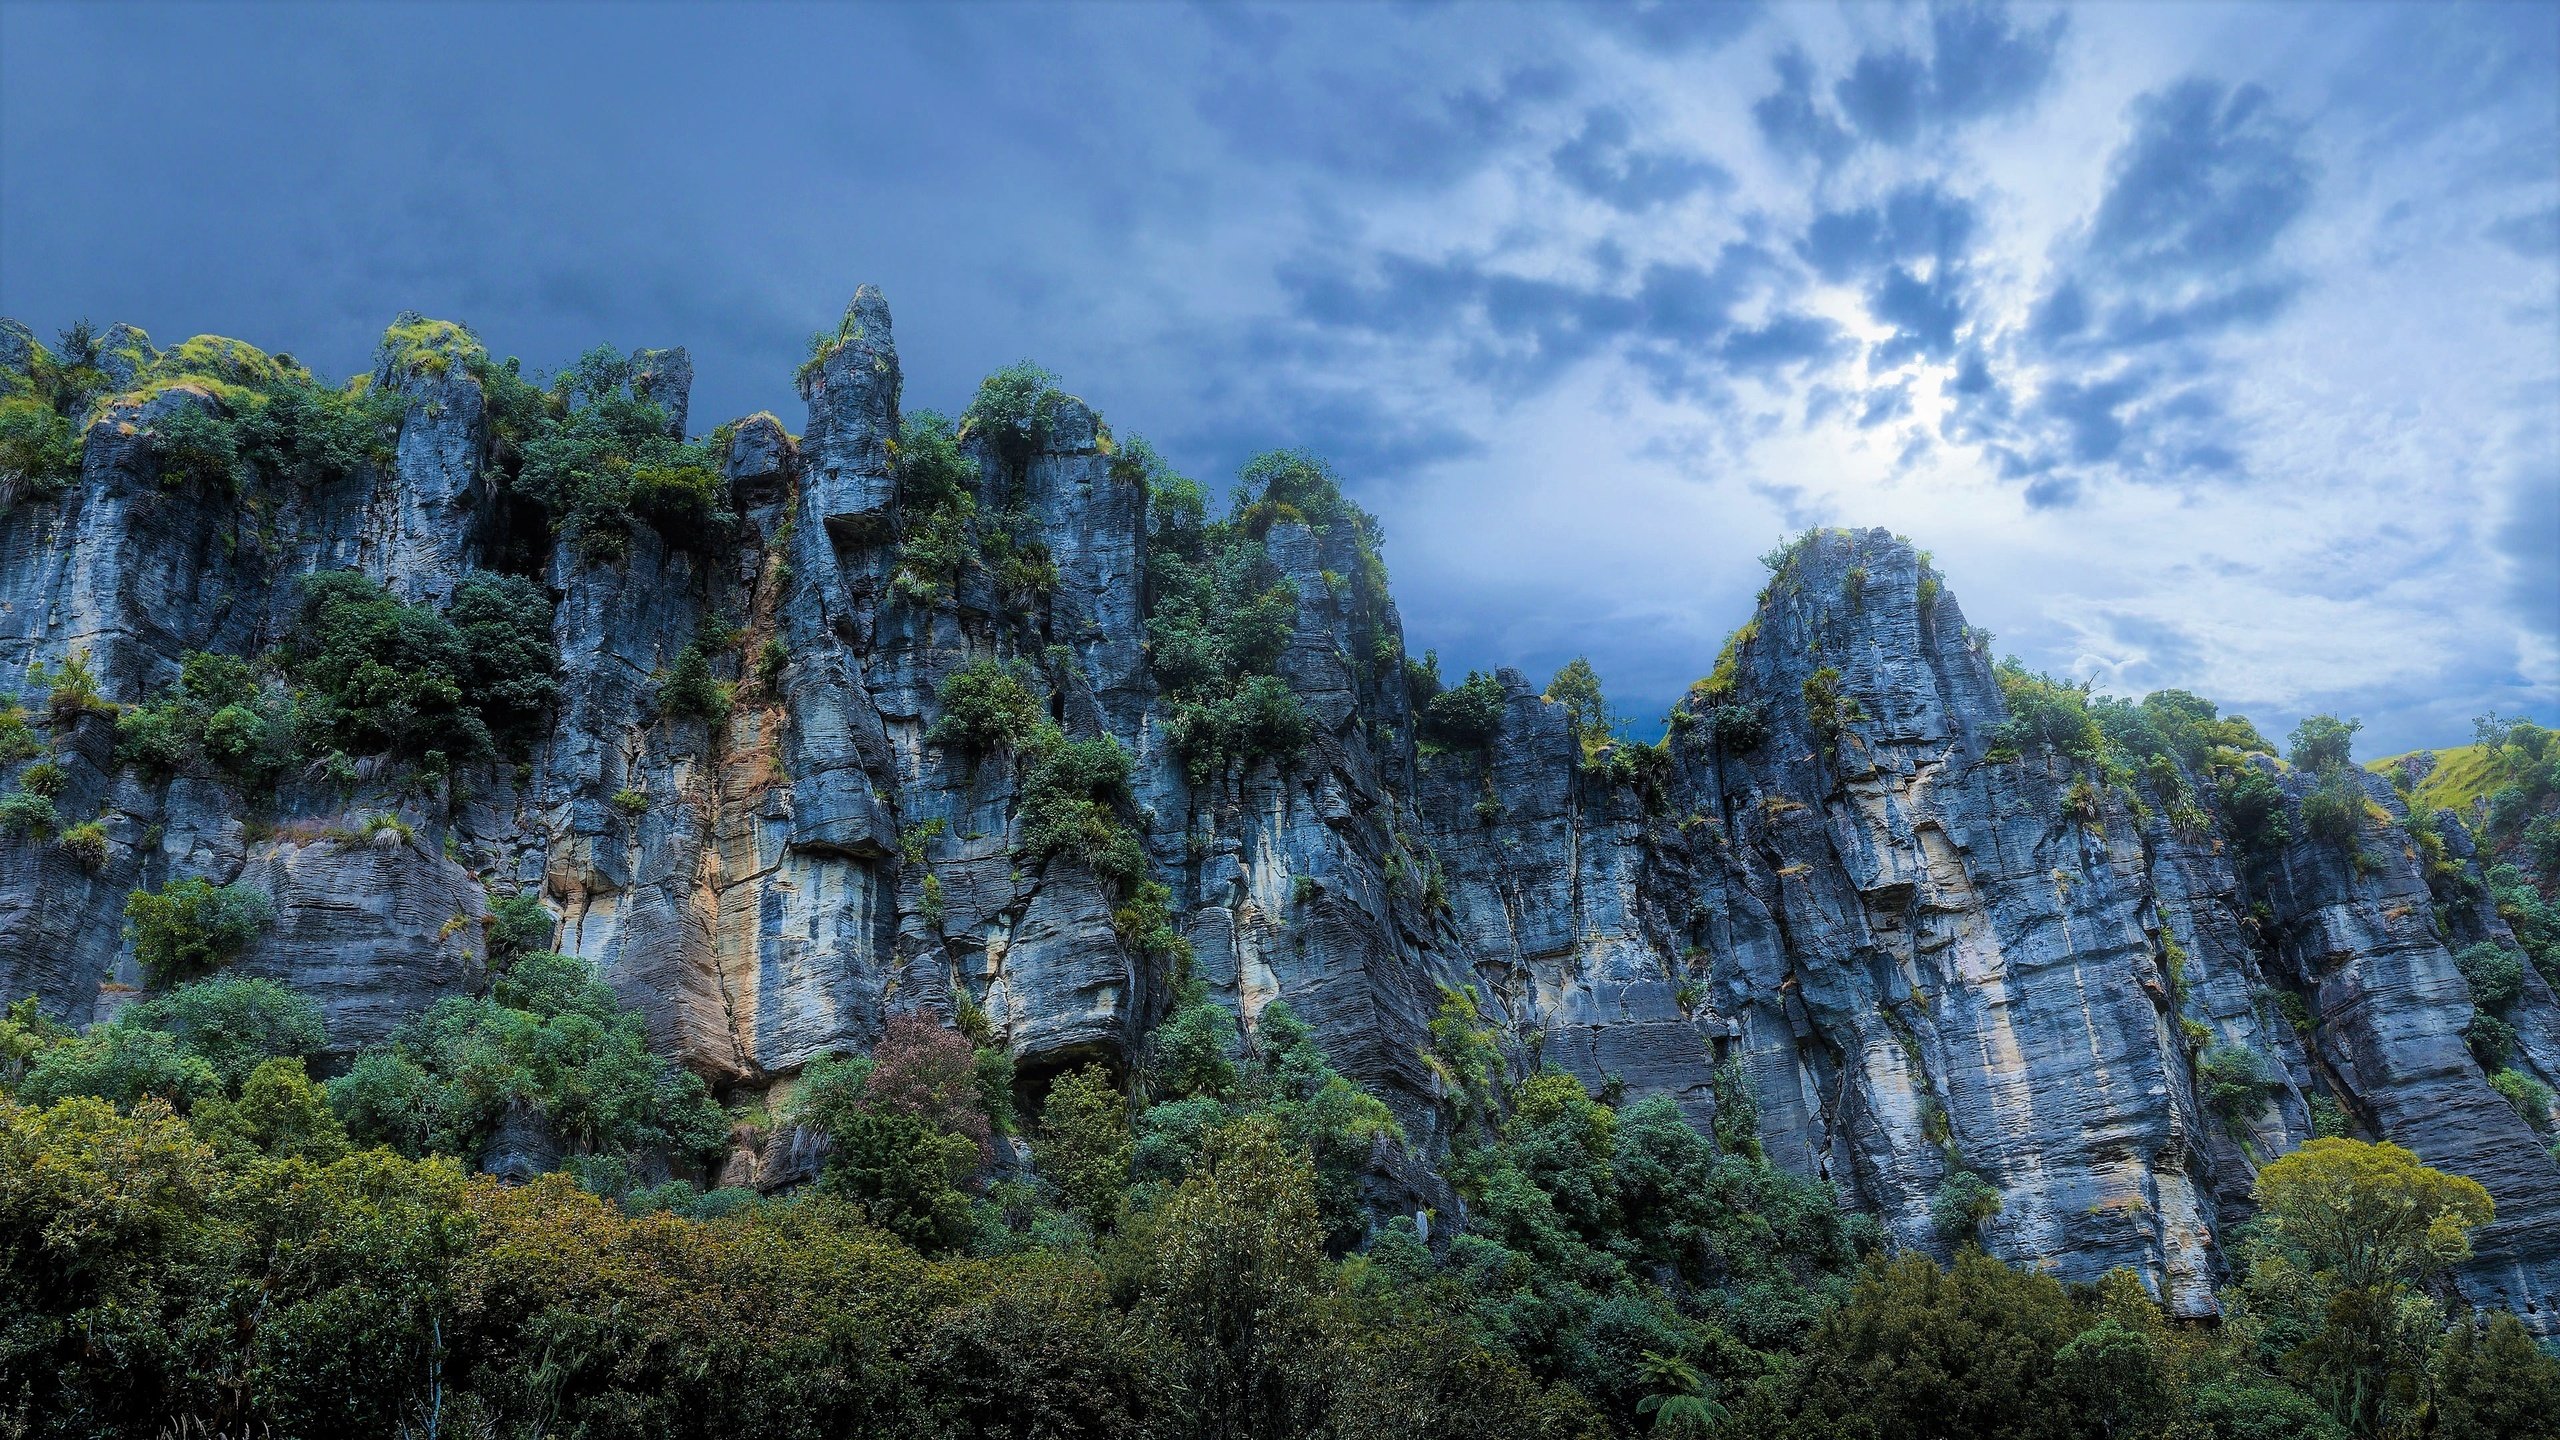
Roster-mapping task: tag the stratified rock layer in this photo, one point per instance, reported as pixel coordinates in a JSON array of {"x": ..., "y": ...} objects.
[{"x": 1917, "y": 958}]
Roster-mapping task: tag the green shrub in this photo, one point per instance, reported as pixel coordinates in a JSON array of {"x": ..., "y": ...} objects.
[
  {"x": 2045, "y": 714},
  {"x": 550, "y": 1037},
  {"x": 191, "y": 926},
  {"x": 1739, "y": 729},
  {"x": 27, "y": 814},
  {"x": 1072, "y": 792},
  {"x": 987, "y": 705},
  {"x": 683, "y": 501},
  {"x": 509, "y": 662},
  {"x": 1013, "y": 410},
  {"x": 596, "y": 455},
  {"x": 519, "y": 924},
  {"x": 2323, "y": 742},
  {"x": 234, "y": 1023},
  {"x": 218, "y": 714},
  {"x": 691, "y": 690},
  {"x": 2334, "y": 811},
  {"x": 1467, "y": 715},
  {"x": 39, "y": 449},
  {"x": 378, "y": 675},
  {"x": 2530, "y": 1097},
  {"x": 1827, "y": 710},
  {"x": 2491, "y": 1039},
  {"x": 2495, "y": 974},
  {"x": 44, "y": 778},
  {"x": 2253, "y": 806},
  {"x": 1964, "y": 1200},
  {"x": 122, "y": 1065},
  {"x": 86, "y": 842},
  {"x": 2233, "y": 1082},
  {"x": 17, "y": 738}
]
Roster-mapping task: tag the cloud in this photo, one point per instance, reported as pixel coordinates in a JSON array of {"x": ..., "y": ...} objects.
[
  {"x": 1369, "y": 121},
  {"x": 1793, "y": 121},
  {"x": 1914, "y": 221},
  {"x": 2184, "y": 247},
  {"x": 1675, "y": 24},
  {"x": 1978, "y": 65},
  {"x": 1601, "y": 162},
  {"x": 2211, "y": 178},
  {"x": 2534, "y": 235}
]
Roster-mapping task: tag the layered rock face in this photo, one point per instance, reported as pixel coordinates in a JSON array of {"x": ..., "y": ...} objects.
[{"x": 1917, "y": 958}]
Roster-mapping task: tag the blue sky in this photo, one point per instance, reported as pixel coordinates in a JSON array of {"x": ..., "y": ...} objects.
[{"x": 2208, "y": 346}]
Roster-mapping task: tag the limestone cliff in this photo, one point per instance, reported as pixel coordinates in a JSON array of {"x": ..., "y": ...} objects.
[{"x": 1922, "y": 953}]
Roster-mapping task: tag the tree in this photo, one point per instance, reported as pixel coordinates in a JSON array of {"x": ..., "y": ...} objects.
[
  {"x": 2369, "y": 1215},
  {"x": 2347, "y": 1231},
  {"x": 1085, "y": 1143},
  {"x": 193, "y": 925},
  {"x": 1576, "y": 687},
  {"x": 235, "y": 1023},
  {"x": 2492, "y": 1383},
  {"x": 279, "y": 1112},
  {"x": 2322, "y": 743},
  {"x": 1467, "y": 715},
  {"x": 1231, "y": 1264}
]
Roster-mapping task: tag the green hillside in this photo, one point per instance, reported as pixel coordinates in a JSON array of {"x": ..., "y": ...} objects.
[{"x": 2462, "y": 774}]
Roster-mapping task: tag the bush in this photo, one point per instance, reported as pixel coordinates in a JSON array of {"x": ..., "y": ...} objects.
[
  {"x": 122, "y": 1065},
  {"x": 519, "y": 924},
  {"x": 596, "y": 454},
  {"x": 1085, "y": 1144},
  {"x": 550, "y": 1039},
  {"x": 219, "y": 714},
  {"x": 1072, "y": 791},
  {"x": 1963, "y": 1201},
  {"x": 1467, "y": 715},
  {"x": 1827, "y": 710},
  {"x": 86, "y": 842},
  {"x": 508, "y": 658},
  {"x": 2045, "y": 714},
  {"x": 1013, "y": 410},
  {"x": 987, "y": 705},
  {"x": 192, "y": 926},
  {"x": 2253, "y": 805},
  {"x": 2530, "y": 1097},
  {"x": 2322, "y": 743},
  {"x": 2232, "y": 1082},
  {"x": 39, "y": 449},
  {"x": 28, "y": 814},
  {"x": 378, "y": 675},
  {"x": 2495, "y": 974},
  {"x": 234, "y": 1023},
  {"x": 1739, "y": 729},
  {"x": 690, "y": 690},
  {"x": 2334, "y": 811}
]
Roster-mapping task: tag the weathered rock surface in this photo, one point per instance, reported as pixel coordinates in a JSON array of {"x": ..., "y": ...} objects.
[{"x": 1914, "y": 957}]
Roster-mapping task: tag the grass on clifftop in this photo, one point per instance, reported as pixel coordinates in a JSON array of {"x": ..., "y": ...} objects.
[{"x": 2462, "y": 774}]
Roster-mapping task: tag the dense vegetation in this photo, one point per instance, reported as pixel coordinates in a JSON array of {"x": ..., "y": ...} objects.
[
  {"x": 194, "y": 1227},
  {"x": 210, "y": 1215}
]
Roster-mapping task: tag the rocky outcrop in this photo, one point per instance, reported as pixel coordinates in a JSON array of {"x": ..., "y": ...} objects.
[{"x": 1917, "y": 953}]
